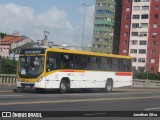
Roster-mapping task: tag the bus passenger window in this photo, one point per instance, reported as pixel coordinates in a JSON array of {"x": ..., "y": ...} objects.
[
  {"x": 51, "y": 61},
  {"x": 51, "y": 64},
  {"x": 67, "y": 61}
]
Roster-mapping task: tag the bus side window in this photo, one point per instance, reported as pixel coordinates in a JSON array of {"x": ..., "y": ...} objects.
[
  {"x": 105, "y": 63},
  {"x": 78, "y": 60},
  {"x": 67, "y": 61},
  {"x": 126, "y": 65},
  {"x": 51, "y": 62},
  {"x": 115, "y": 64}
]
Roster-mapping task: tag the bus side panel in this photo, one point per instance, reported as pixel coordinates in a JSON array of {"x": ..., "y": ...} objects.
[
  {"x": 52, "y": 81},
  {"x": 95, "y": 79},
  {"x": 77, "y": 79},
  {"x": 123, "y": 79},
  {"x": 98, "y": 79}
]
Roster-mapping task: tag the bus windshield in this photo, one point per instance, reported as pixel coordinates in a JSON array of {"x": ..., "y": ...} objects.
[{"x": 30, "y": 66}]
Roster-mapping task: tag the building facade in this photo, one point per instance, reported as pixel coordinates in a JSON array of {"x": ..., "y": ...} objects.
[
  {"x": 140, "y": 33},
  {"x": 11, "y": 42},
  {"x": 106, "y": 31}
]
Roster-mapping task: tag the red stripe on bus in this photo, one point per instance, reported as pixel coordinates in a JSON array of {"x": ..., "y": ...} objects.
[
  {"x": 67, "y": 71},
  {"x": 123, "y": 74}
]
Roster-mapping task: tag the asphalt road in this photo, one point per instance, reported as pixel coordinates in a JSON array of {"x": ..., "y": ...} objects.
[{"x": 95, "y": 103}]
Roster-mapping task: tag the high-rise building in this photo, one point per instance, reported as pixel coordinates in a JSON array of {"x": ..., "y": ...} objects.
[
  {"x": 106, "y": 31},
  {"x": 140, "y": 33}
]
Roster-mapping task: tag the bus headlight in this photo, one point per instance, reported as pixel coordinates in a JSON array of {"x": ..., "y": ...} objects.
[{"x": 40, "y": 79}]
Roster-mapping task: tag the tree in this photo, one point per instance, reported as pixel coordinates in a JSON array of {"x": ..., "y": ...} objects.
[
  {"x": 2, "y": 35},
  {"x": 7, "y": 66}
]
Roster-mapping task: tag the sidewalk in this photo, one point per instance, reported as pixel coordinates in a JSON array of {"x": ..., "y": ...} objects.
[
  {"x": 125, "y": 89},
  {"x": 135, "y": 88},
  {"x": 7, "y": 88}
]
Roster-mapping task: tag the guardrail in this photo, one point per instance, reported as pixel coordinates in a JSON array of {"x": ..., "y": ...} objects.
[
  {"x": 146, "y": 83},
  {"x": 10, "y": 80}
]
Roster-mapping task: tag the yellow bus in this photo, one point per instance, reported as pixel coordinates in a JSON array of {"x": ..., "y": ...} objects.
[{"x": 62, "y": 69}]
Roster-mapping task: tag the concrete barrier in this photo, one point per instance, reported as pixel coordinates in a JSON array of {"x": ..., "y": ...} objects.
[
  {"x": 10, "y": 80},
  {"x": 146, "y": 83}
]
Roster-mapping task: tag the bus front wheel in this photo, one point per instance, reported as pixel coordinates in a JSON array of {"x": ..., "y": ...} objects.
[
  {"x": 63, "y": 87},
  {"x": 108, "y": 86}
]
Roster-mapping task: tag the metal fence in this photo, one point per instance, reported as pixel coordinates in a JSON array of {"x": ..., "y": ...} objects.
[{"x": 10, "y": 80}]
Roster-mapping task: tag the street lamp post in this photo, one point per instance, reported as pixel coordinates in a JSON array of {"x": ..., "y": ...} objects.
[
  {"x": 45, "y": 41},
  {"x": 85, "y": 5},
  {"x": 147, "y": 82}
]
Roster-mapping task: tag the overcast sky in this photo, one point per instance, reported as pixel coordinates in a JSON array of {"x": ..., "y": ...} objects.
[{"x": 62, "y": 18}]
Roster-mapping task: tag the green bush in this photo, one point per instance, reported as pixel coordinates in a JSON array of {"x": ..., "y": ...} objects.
[
  {"x": 143, "y": 75},
  {"x": 7, "y": 66}
]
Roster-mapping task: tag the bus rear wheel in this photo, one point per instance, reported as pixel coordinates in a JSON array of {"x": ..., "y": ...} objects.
[
  {"x": 63, "y": 87},
  {"x": 109, "y": 86}
]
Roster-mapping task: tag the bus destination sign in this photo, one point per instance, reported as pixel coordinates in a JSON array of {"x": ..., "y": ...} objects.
[{"x": 32, "y": 51}]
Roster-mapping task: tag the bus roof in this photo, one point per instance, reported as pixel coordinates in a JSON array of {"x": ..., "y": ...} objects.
[{"x": 87, "y": 53}]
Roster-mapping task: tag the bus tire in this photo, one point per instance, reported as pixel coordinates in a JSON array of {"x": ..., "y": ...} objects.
[
  {"x": 63, "y": 87},
  {"x": 109, "y": 86}
]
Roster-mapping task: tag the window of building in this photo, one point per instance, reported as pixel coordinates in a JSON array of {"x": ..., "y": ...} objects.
[
  {"x": 136, "y": 8},
  {"x": 126, "y": 26},
  {"x": 156, "y": 0},
  {"x": 144, "y": 16},
  {"x": 141, "y": 60},
  {"x": 125, "y": 42},
  {"x": 124, "y": 51},
  {"x": 155, "y": 25},
  {"x": 134, "y": 33},
  {"x": 145, "y": 7},
  {"x": 134, "y": 42},
  {"x": 156, "y": 7},
  {"x": 135, "y": 16},
  {"x": 142, "y": 42},
  {"x": 142, "y": 51},
  {"x": 100, "y": 11},
  {"x": 144, "y": 25},
  {"x": 154, "y": 34},
  {"x": 156, "y": 16},
  {"x": 152, "y": 60},
  {"x": 137, "y": 0},
  {"x": 154, "y": 43},
  {"x": 141, "y": 34},
  {"x": 133, "y": 50},
  {"x": 126, "y": 34},
  {"x": 153, "y": 52},
  {"x": 127, "y": 9},
  {"x": 127, "y": 17},
  {"x": 135, "y": 25},
  {"x": 152, "y": 69},
  {"x": 134, "y": 59}
]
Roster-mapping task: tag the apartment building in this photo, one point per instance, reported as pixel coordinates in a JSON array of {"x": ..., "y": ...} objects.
[
  {"x": 106, "y": 31},
  {"x": 140, "y": 33}
]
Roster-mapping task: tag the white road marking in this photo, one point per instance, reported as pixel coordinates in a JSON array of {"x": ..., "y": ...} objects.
[
  {"x": 10, "y": 95},
  {"x": 77, "y": 100},
  {"x": 152, "y": 108}
]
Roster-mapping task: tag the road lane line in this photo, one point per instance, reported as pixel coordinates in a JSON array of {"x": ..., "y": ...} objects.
[
  {"x": 152, "y": 108},
  {"x": 78, "y": 100},
  {"x": 10, "y": 95}
]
